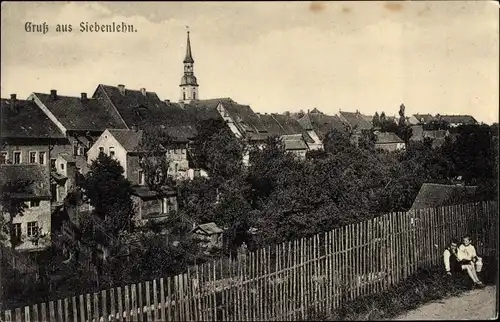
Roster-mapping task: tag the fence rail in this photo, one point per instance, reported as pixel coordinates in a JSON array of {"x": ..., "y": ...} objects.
[{"x": 285, "y": 281}]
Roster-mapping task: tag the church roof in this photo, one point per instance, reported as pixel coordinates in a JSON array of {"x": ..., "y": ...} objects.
[{"x": 189, "y": 56}]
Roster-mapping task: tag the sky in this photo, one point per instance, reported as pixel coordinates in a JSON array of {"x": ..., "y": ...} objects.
[{"x": 435, "y": 57}]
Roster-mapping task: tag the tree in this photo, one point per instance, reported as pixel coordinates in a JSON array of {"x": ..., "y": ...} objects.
[
  {"x": 376, "y": 120},
  {"x": 217, "y": 150},
  {"x": 153, "y": 159},
  {"x": 110, "y": 194}
]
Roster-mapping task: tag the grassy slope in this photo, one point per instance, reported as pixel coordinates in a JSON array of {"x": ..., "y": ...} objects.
[{"x": 425, "y": 286}]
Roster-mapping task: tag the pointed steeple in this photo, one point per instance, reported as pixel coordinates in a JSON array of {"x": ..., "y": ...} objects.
[
  {"x": 189, "y": 57},
  {"x": 189, "y": 84}
]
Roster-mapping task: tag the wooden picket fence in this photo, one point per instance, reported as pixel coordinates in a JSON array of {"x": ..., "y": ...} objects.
[{"x": 285, "y": 281}]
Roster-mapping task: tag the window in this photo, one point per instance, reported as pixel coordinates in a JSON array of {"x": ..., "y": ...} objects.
[
  {"x": 194, "y": 95},
  {"x": 53, "y": 164},
  {"x": 82, "y": 150},
  {"x": 32, "y": 229},
  {"x": 184, "y": 95},
  {"x": 141, "y": 177},
  {"x": 17, "y": 157},
  {"x": 75, "y": 149},
  {"x": 32, "y": 157},
  {"x": 176, "y": 168},
  {"x": 16, "y": 230},
  {"x": 34, "y": 203},
  {"x": 101, "y": 149},
  {"x": 41, "y": 157},
  {"x": 62, "y": 166},
  {"x": 111, "y": 151},
  {"x": 4, "y": 156}
]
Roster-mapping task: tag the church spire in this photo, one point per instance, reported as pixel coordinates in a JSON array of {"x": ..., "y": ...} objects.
[
  {"x": 189, "y": 57},
  {"x": 189, "y": 84}
]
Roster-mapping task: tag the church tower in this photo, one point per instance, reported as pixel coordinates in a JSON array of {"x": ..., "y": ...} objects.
[{"x": 189, "y": 85}]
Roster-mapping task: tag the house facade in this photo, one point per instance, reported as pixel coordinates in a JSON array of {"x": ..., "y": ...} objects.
[
  {"x": 30, "y": 230},
  {"x": 210, "y": 235},
  {"x": 124, "y": 146},
  {"x": 27, "y": 135}
]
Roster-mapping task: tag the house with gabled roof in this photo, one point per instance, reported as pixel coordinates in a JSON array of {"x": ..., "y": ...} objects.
[
  {"x": 388, "y": 141},
  {"x": 354, "y": 121},
  {"x": 318, "y": 124},
  {"x": 28, "y": 184},
  {"x": 125, "y": 147},
  {"x": 417, "y": 119},
  {"x": 432, "y": 195},
  {"x": 289, "y": 130},
  {"x": 81, "y": 119},
  {"x": 27, "y": 135},
  {"x": 457, "y": 120}
]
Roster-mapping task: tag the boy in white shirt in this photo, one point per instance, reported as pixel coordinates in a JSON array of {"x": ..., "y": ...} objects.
[{"x": 469, "y": 260}]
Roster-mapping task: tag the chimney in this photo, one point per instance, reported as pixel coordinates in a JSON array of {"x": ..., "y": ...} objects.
[
  {"x": 53, "y": 94},
  {"x": 143, "y": 91},
  {"x": 84, "y": 97},
  {"x": 121, "y": 88}
]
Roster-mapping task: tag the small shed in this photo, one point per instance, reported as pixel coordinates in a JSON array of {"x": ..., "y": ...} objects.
[{"x": 210, "y": 235}]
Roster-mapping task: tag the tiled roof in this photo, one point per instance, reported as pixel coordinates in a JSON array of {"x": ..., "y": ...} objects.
[
  {"x": 22, "y": 172},
  {"x": 67, "y": 157},
  {"x": 356, "y": 121},
  {"x": 464, "y": 119},
  {"x": 321, "y": 123},
  {"x": 144, "y": 192},
  {"x": 83, "y": 115},
  {"x": 424, "y": 118},
  {"x": 368, "y": 118},
  {"x": 246, "y": 120},
  {"x": 129, "y": 139},
  {"x": 294, "y": 142},
  {"x": 387, "y": 137},
  {"x": 26, "y": 120},
  {"x": 436, "y": 195},
  {"x": 281, "y": 124},
  {"x": 209, "y": 228},
  {"x": 147, "y": 111}
]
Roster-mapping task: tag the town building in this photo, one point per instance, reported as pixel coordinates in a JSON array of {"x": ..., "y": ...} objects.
[
  {"x": 433, "y": 195},
  {"x": 27, "y": 135},
  {"x": 388, "y": 141},
  {"x": 210, "y": 235},
  {"x": 125, "y": 147},
  {"x": 457, "y": 120},
  {"x": 417, "y": 119},
  {"x": 28, "y": 184},
  {"x": 318, "y": 124},
  {"x": 80, "y": 119}
]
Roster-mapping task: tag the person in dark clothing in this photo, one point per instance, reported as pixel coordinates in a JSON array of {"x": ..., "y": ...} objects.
[{"x": 451, "y": 263}]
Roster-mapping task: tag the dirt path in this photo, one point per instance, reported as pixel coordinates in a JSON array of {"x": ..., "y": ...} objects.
[{"x": 474, "y": 305}]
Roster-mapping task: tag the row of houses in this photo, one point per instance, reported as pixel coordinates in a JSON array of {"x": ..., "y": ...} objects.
[{"x": 50, "y": 139}]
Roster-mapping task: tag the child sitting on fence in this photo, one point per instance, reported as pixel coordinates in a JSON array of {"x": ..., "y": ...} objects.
[{"x": 470, "y": 262}]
